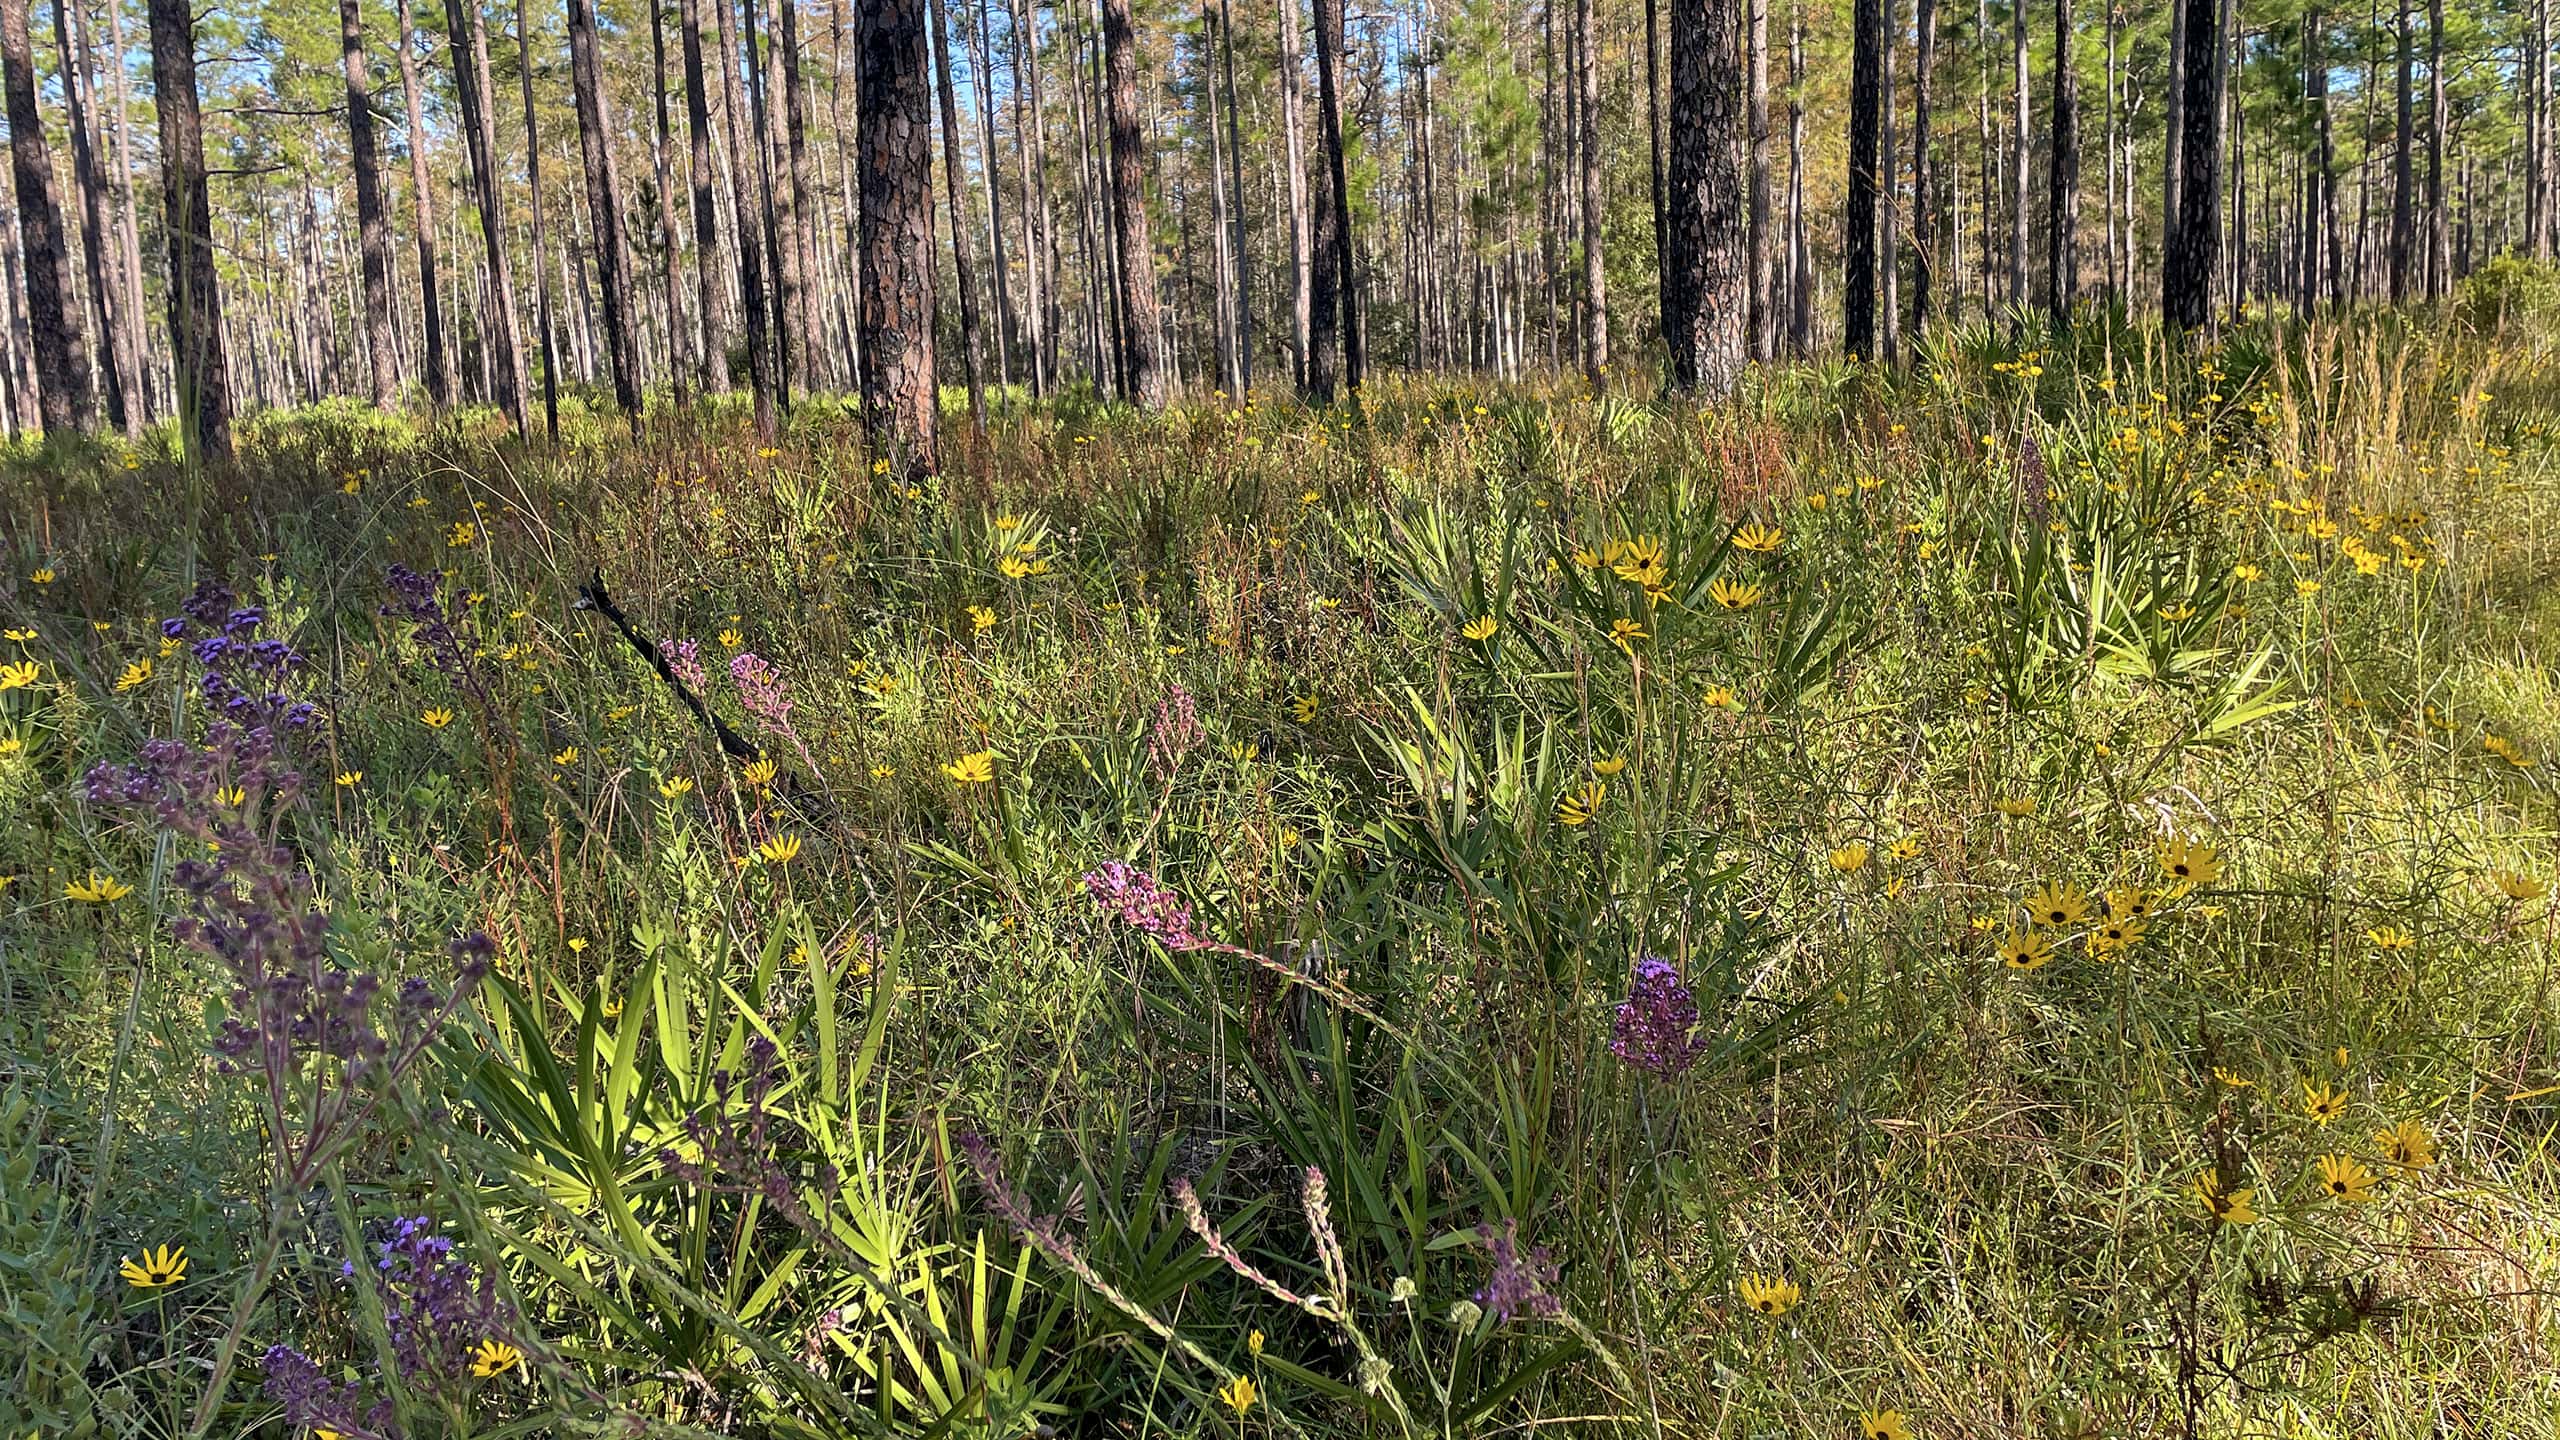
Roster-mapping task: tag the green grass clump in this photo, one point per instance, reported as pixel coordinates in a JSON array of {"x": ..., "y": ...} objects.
[{"x": 2005, "y": 898}]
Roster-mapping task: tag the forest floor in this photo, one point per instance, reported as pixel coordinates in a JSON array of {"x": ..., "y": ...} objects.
[{"x": 2006, "y": 898}]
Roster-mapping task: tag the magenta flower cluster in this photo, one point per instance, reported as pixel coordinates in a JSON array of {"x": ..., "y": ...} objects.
[
  {"x": 1134, "y": 896},
  {"x": 1177, "y": 730}
]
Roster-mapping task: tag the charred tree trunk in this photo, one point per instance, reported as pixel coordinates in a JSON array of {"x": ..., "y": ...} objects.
[
  {"x": 604, "y": 207},
  {"x": 1336, "y": 289},
  {"x": 2195, "y": 242},
  {"x": 62, "y": 357},
  {"x": 1924, "y": 178},
  {"x": 1595, "y": 272},
  {"x": 1705, "y": 279},
  {"x": 116, "y": 361},
  {"x": 195, "y": 295},
  {"x": 798, "y": 319},
  {"x": 893, "y": 140},
  {"x": 2439, "y": 118},
  {"x": 711, "y": 279},
  {"x": 1130, "y": 241},
  {"x": 2021, "y": 154},
  {"x": 541, "y": 229},
  {"x": 499, "y": 331},
  {"x": 431, "y": 301},
  {"x": 1866, "y": 116},
  {"x": 373, "y": 226},
  {"x": 747, "y": 208}
]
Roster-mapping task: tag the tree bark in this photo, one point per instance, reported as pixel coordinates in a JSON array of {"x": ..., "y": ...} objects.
[
  {"x": 500, "y": 333},
  {"x": 746, "y": 206},
  {"x": 2022, "y": 152},
  {"x": 1764, "y": 307},
  {"x": 2403, "y": 188},
  {"x": 1338, "y": 287},
  {"x": 963, "y": 271},
  {"x": 679, "y": 352},
  {"x": 1924, "y": 233},
  {"x": 2439, "y": 119},
  {"x": 1131, "y": 243},
  {"x": 1799, "y": 245},
  {"x": 1294, "y": 170},
  {"x": 893, "y": 139},
  {"x": 711, "y": 277},
  {"x": 67, "y": 398},
  {"x": 431, "y": 302},
  {"x": 2195, "y": 242},
  {"x": 116, "y": 361},
  {"x": 2062, "y": 198},
  {"x": 373, "y": 225},
  {"x": 1705, "y": 279},
  {"x": 1595, "y": 273},
  {"x": 195, "y": 294},
  {"x": 604, "y": 206},
  {"x": 541, "y": 230},
  {"x": 1866, "y": 115},
  {"x": 1235, "y": 205},
  {"x": 799, "y": 319}
]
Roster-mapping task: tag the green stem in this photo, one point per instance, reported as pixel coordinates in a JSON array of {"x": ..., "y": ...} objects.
[{"x": 243, "y": 1309}]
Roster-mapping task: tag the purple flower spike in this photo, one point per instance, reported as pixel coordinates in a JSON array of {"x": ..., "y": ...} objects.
[
  {"x": 1135, "y": 897},
  {"x": 1652, "y": 1029}
]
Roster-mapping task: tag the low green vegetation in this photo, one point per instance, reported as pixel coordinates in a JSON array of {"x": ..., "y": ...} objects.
[{"x": 2011, "y": 898}]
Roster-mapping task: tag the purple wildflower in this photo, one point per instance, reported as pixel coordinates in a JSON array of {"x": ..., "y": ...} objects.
[
  {"x": 1652, "y": 1029},
  {"x": 249, "y": 900},
  {"x": 312, "y": 1401},
  {"x": 684, "y": 657},
  {"x": 436, "y": 1306},
  {"x": 1134, "y": 896},
  {"x": 1177, "y": 730},
  {"x": 414, "y": 599},
  {"x": 760, "y": 690},
  {"x": 1521, "y": 1284}
]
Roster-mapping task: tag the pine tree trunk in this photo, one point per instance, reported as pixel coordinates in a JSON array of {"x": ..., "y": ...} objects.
[
  {"x": 1763, "y": 339},
  {"x": 1924, "y": 233},
  {"x": 128, "y": 224},
  {"x": 372, "y": 223},
  {"x": 1799, "y": 244},
  {"x": 541, "y": 253},
  {"x": 115, "y": 361},
  {"x": 893, "y": 140},
  {"x": 195, "y": 295},
  {"x": 1705, "y": 272},
  {"x": 1324, "y": 288},
  {"x": 2021, "y": 153},
  {"x": 1039, "y": 221},
  {"x": 1888, "y": 197},
  {"x": 1131, "y": 242},
  {"x": 2062, "y": 186},
  {"x": 679, "y": 351},
  {"x": 772, "y": 207},
  {"x": 1301, "y": 221},
  {"x": 500, "y": 331},
  {"x": 1335, "y": 239},
  {"x": 963, "y": 271},
  {"x": 746, "y": 207},
  {"x": 1242, "y": 256},
  {"x": 431, "y": 301},
  {"x": 1866, "y": 117},
  {"x": 1595, "y": 274},
  {"x": 2195, "y": 242},
  {"x": 2439, "y": 117},
  {"x": 2403, "y": 188},
  {"x": 711, "y": 275},
  {"x": 800, "y": 316},
  {"x": 604, "y": 207},
  {"x": 62, "y": 357}
]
